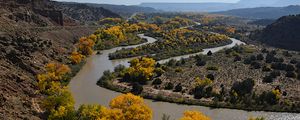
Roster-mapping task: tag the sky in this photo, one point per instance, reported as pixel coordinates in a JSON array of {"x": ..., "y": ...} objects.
[{"x": 136, "y": 2}]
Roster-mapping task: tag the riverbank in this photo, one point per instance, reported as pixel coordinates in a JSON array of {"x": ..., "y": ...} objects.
[
  {"x": 185, "y": 99},
  {"x": 85, "y": 91},
  {"x": 225, "y": 68}
]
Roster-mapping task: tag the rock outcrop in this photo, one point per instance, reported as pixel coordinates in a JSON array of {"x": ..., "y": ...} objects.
[{"x": 32, "y": 33}]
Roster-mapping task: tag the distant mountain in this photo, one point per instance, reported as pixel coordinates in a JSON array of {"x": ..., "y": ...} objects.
[
  {"x": 268, "y": 3},
  {"x": 216, "y": 6},
  {"x": 203, "y": 7},
  {"x": 263, "y": 12},
  {"x": 284, "y": 33},
  {"x": 124, "y": 10}
]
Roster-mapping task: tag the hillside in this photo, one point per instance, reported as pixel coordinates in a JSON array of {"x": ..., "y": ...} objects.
[
  {"x": 263, "y": 12},
  {"x": 269, "y": 3},
  {"x": 200, "y": 7},
  {"x": 124, "y": 10},
  {"x": 32, "y": 33},
  {"x": 284, "y": 33},
  {"x": 84, "y": 13}
]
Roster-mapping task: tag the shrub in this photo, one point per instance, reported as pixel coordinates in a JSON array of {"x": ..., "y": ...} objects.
[
  {"x": 136, "y": 89},
  {"x": 200, "y": 61},
  {"x": 278, "y": 66},
  {"x": 106, "y": 77},
  {"x": 291, "y": 74},
  {"x": 298, "y": 65},
  {"x": 256, "y": 65},
  {"x": 266, "y": 68},
  {"x": 244, "y": 87},
  {"x": 169, "y": 86},
  {"x": 210, "y": 76},
  {"x": 293, "y": 61},
  {"x": 159, "y": 71},
  {"x": 209, "y": 53},
  {"x": 252, "y": 57},
  {"x": 178, "y": 70},
  {"x": 273, "y": 52},
  {"x": 265, "y": 51},
  {"x": 269, "y": 58},
  {"x": 280, "y": 60},
  {"x": 157, "y": 64},
  {"x": 215, "y": 68},
  {"x": 237, "y": 58},
  {"x": 182, "y": 61},
  {"x": 228, "y": 51},
  {"x": 247, "y": 61},
  {"x": 208, "y": 91},
  {"x": 271, "y": 97},
  {"x": 178, "y": 88},
  {"x": 198, "y": 92},
  {"x": 157, "y": 81},
  {"x": 268, "y": 79},
  {"x": 171, "y": 62},
  {"x": 119, "y": 68},
  {"x": 260, "y": 57},
  {"x": 275, "y": 74},
  {"x": 290, "y": 67}
]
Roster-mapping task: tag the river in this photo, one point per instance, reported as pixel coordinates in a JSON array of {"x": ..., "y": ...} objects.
[{"x": 85, "y": 91}]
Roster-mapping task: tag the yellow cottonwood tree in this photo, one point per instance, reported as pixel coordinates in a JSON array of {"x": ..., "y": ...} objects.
[
  {"x": 194, "y": 115},
  {"x": 141, "y": 68},
  {"x": 132, "y": 107},
  {"x": 59, "y": 104},
  {"x": 55, "y": 72},
  {"x": 76, "y": 57},
  {"x": 86, "y": 45}
]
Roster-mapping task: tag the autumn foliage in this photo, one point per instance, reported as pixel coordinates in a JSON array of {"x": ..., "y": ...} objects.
[
  {"x": 194, "y": 115},
  {"x": 76, "y": 57},
  {"x": 55, "y": 72},
  {"x": 86, "y": 45},
  {"x": 132, "y": 107},
  {"x": 141, "y": 69},
  {"x": 123, "y": 107}
]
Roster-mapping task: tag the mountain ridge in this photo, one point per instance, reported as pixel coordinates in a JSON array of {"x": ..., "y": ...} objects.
[
  {"x": 283, "y": 33},
  {"x": 218, "y": 6},
  {"x": 263, "y": 12}
]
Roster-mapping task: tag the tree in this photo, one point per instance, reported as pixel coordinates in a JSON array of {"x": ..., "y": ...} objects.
[
  {"x": 157, "y": 81},
  {"x": 136, "y": 88},
  {"x": 244, "y": 87},
  {"x": 209, "y": 53},
  {"x": 60, "y": 105},
  {"x": 132, "y": 107},
  {"x": 110, "y": 21},
  {"x": 91, "y": 112},
  {"x": 194, "y": 115},
  {"x": 76, "y": 57},
  {"x": 141, "y": 69},
  {"x": 178, "y": 88},
  {"x": 169, "y": 86},
  {"x": 204, "y": 82},
  {"x": 86, "y": 46},
  {"x": 55, "y": 72}
]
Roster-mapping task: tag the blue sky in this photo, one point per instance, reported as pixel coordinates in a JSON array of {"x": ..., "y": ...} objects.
[{"x": 136, "y": 2}]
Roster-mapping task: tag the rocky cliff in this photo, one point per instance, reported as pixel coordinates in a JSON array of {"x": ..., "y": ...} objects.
[{"x": 32, "y": 33}]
